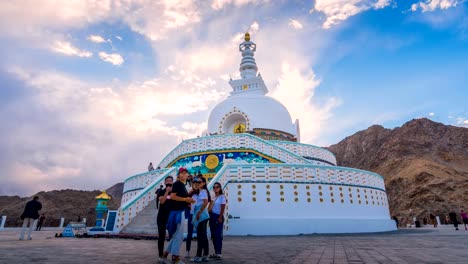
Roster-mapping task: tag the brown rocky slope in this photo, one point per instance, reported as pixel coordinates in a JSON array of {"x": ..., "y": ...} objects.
[
  {"x": 70, "y": 204},
  {"x": 424, "y": 163}
]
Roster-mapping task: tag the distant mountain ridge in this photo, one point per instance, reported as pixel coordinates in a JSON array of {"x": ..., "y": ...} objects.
[
  {"x": 70, "y": 204},
  {"x": 424, "y": 163}
]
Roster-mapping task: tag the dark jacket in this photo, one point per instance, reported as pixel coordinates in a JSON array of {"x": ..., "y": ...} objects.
[{"x": 31, "y": 210}]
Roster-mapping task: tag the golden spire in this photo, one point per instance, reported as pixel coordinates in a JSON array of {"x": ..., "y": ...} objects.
[
  {"x": 104, "y": 196},
  {"x": 247, "y": 36}
]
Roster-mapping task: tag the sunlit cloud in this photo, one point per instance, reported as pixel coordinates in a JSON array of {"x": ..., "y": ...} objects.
[
  {"x": 295, "y": 24},
  {"x": 113, "y": 58},
  {"x": 339, "y": 10},
  {"x": 432, "y": 5},
  {"x": 96, "y": 39},
  {"x": 67, "y": 48}
]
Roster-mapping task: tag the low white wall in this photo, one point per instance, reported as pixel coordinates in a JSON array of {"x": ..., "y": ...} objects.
[{"x": 261, "y": 227}]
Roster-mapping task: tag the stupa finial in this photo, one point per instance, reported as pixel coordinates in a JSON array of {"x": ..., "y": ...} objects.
[{"x": 248, "y": 67}]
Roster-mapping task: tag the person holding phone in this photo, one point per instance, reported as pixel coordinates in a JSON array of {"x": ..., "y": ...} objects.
[{"x": 180, "y": 201}]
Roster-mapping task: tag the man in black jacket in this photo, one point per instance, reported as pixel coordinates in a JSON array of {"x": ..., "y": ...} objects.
[{"x": 30, "y": 215}]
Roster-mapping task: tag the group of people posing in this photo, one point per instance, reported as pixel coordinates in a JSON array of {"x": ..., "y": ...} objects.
[{"x": 178, "y": 201}]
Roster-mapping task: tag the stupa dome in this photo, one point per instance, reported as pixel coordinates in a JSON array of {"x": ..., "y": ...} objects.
[{"x": 248, "y": 109}]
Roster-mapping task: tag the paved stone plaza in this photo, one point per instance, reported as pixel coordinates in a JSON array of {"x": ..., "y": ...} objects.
[{"x": 443, "y": 245}]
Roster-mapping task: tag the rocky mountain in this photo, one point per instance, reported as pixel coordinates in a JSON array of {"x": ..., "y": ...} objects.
[
  {"x": 424, "y": 163},
  {"x": 70, "y": 204}
]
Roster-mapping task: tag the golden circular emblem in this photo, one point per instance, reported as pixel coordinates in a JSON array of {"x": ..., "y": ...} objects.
[{"x": 211, "y": 161}]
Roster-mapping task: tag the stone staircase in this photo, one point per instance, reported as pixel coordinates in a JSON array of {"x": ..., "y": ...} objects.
[{"x": 145, "y": 222}]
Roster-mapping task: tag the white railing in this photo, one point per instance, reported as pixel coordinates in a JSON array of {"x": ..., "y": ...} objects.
[
  {"x": 129, "y": 209},
  {"x": 133, "y": 185},
  {"x": 232, "y": 141},
  {"x": 306, "y": 150}
]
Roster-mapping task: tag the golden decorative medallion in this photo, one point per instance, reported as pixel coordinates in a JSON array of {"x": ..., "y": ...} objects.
[{"x": 211, "y": 161}]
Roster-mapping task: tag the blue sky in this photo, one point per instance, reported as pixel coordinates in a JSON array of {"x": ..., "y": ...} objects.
[{"x": 92, "y": 91}]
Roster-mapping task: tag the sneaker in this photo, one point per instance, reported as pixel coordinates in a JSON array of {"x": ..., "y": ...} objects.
[
  {"x": 213, "y": 256},
  {"x": 163, "y": 261},
  {"x": 219, "y": 257},
  {"x": 178, "y": 262},
  {"x": 196, "y": 260},
  {"x": 187, "y": 254},
  {"x": 29, "y": 238},
  {"x": 205, "y": 259}
]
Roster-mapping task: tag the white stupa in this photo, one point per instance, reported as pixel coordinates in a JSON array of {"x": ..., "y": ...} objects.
[
  {"x": 248, "y": 108},
  {"x": 275, "y": 185}
]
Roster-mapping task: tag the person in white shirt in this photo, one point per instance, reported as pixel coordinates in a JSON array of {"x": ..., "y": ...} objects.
[
  {"x": 217, "y": 219},
  {"x": 200, "y": 220}
]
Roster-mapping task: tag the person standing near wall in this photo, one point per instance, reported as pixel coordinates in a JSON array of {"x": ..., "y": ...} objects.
[
  {"x": 216, "y": 209},
  {"x": 433, "y": 219},
  {"x": 30, "y": 215},
  {"x": 41, "y": 221},
  {"x": 179, "y": 202},
  {"x": 188, "y": 242},
  {"x": 453, "y": 218},
  {"x": 162, "y": 203},
  {"x": 200, "y": 220},
  {"x": 464, "y": 217},
  {"x": 150, "y": 167}
]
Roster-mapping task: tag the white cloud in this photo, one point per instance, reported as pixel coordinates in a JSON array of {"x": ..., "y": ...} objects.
[
  {"x": 118, "y": 37},
  {"x": 337, "y": 11},
  {"x": 67, "y": 48},
  {"x": 295, "y": 24},
  {"x": 96, "y": 39},
  {"x": 91, "y": 119},
  {"x": 171, "y": 15},
  {"x": 295, "y": 90},
  {"x": 151, "y": 18},
  {"x": 431, "y": 114},
  {"x": 431, "y": 5},
  {"x": 114, "y": 58},
  {"x": 219, "y": 4}
]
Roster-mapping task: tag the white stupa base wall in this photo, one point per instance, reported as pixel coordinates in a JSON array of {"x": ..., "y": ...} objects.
[{"x": 262, "y": 227}]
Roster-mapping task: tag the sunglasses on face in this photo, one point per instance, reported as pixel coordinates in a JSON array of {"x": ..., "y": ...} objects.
[
  {"x": 169, "y": 185},
  {"x": 216, "y": 187}
]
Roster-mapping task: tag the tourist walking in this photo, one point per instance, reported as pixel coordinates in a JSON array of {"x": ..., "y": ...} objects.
[
  {"x": 162, "y": 203},
  {"x": 216, "y": 210},
  {"x": 179, "y": 202},
  {"x": 190, "y": 229},
  {"x": 464, "y": 218},
  {"x": 41, "y": 221},
  {"x": 30, "y": 215},
  {"x": 200, "y": 219},
  {"x": 453, "y": 218},
  {"x": 150, "y": 167},
  {"x": 396, "y": 221},
  {"x": 433, "y": 220}
]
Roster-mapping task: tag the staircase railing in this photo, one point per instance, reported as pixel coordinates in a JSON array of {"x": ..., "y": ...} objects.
[
  {"x": 307, "y": 150},
  {"x": 137, "y": 203}
]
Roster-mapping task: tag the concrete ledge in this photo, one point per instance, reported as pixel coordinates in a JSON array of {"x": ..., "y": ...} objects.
[{"x": 265, "y": 227}]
